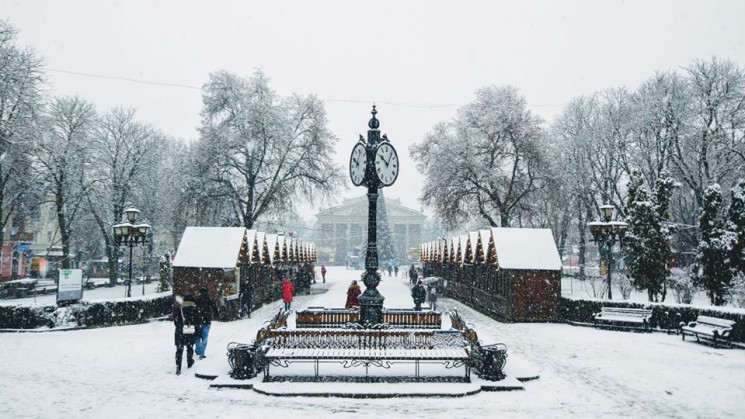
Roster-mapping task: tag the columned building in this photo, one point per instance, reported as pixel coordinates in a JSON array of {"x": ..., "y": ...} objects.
[{"x": 342, "y": 231}]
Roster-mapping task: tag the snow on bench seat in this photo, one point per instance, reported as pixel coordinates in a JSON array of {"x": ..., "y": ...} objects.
[
  {"x": 623, "y": 317},
  {"x": 366, "y": 348},
  {"x": 710, "y": 328}
]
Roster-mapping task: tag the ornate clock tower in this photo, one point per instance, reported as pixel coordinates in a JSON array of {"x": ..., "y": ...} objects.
[{"x": 374, "y": 163}]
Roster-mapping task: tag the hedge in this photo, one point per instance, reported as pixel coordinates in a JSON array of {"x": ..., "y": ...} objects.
[
  {"x": 86, "y": 314},
  {"x": 664, "y": 315}
]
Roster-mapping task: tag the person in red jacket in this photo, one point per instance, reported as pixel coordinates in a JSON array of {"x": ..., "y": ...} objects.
[
  {"x": 353, "y": 293},
  {"x": 287, "y": 291}
]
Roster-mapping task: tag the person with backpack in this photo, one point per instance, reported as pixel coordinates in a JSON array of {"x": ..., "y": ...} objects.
[{"x": 186, "y": 323}]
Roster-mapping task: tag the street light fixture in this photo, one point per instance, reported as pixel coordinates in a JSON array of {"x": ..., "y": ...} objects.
[
  {"x": 604, "y": 234},
  {"x": 130, "y": 234}
]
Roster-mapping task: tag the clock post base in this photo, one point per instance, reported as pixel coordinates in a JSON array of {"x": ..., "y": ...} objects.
[{"x": 371, "y": 308}]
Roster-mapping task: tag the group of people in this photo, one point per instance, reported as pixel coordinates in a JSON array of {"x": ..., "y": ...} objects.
[{"x": 192, "y": 318}]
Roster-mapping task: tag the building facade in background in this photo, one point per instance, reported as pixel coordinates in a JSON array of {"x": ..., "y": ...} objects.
[{"x": 341, "y": 231}]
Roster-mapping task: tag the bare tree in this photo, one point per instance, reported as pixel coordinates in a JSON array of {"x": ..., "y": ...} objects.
[
  {"x": 21, "y": 79},
  {"x": 61, "y": 159},
  {"x": 124, "y": 151},
  {"x": 261, "y": 151},
  {"x": 706, "y": 151},
  {"x": 486, "y": 161}
]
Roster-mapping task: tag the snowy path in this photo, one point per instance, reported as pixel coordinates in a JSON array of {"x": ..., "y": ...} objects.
[{"x": 128, "y": 372}]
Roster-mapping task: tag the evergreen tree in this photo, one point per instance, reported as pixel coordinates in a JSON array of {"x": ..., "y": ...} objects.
[
  {"x": 648, "y": 239},
  {"x": 385, "y": 244},
  {"x": 712, "y": 269},
  {"x": 736, "y": 224},
  {"x": 164, "y": 273}
]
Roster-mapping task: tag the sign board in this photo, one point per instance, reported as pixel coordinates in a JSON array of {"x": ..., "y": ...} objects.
[{"x": 70, "y": 286}]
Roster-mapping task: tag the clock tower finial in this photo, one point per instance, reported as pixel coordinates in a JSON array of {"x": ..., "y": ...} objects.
[{"x": 374, "y": 123}]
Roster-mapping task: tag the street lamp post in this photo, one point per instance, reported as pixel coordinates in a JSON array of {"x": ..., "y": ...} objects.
[
  {"x": 130, "y": 234},
  {"x": 374, "y": 164},
  {"x": 604, "y": 234}
]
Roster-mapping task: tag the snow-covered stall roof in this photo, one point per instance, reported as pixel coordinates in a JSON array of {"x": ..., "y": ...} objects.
[
  {"x": 251, "y": 242},
  {"x": 463, "y": 240},
  {"x": 261, "y": 244},
  {"x": 473, "y": 239},
  {"x": 526, "y": 248},
  {"x": 271, "y": 245},
  {"x": 209, "y": 247}
]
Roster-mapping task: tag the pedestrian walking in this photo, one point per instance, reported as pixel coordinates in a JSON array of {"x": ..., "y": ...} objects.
[
  {"x": 205, "y": 309},
  {"x": 390, "y": 270},
  {"x": 287, "y": 291},
  {"x": 246, "y": 297},
  {"x": 353, "y": 293},
  {"x": 323, "y": 273},
  {"x": 395, "y": 271},
  {"x": 418, "y": 293},
  {"x": 432, "y": 297},
  {"x": 413, "y": 275},
  {"x": 185, "y": 314}
]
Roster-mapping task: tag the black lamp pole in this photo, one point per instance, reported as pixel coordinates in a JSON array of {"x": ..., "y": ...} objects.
[
  {"x": 130, "y": 234},
  {"x": 371, "y": 301},
  {"x": 604, "y": 234}
]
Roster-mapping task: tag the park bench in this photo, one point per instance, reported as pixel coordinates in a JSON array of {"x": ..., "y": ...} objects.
[
  {"x": 488, "y": 360},
  {"x": 319, "y": 317},
  {"x": 709, "y": 328},
  {"x": 365, "y": 347},
  {"x": 626, "y": 318}
]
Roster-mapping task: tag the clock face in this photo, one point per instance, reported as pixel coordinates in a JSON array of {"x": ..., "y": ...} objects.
[
  {"x": 358, "y": 164},
  {"x": 386, "y": 164}
]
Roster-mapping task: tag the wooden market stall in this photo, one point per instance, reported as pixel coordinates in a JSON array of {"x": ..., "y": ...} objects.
[{"x": 513, "y": 273}]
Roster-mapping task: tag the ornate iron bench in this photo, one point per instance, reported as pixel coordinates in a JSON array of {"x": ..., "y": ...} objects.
[
  {"x": 488, "y": 360},
  {"x": 709, "y": 328},
  {"x": 354, "y": 348},
  {"x": 319, "y": 317},
  {"x": 625, "y": 318}
]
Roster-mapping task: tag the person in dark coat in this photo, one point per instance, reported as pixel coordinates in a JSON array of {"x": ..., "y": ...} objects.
[
  {"x": 413, "y": 275},
  {"x": 287, "y": 290},
  {"x": 323, "y": 273},
  {"x": 395, "y": 271},
  {"x": 205, "y": 308},
  {"x": 419, "y": 294},
  {"x": 353, "y": 293},
  {"x": 246, "y": 297},
  {"x": 184, "y": 313}
]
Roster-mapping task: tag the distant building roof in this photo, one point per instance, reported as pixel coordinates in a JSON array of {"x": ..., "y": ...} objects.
[
  {"x": 357, "y": 207},
  {"x": 209, "y": 247},
  {"x": 526, "y": 248}
]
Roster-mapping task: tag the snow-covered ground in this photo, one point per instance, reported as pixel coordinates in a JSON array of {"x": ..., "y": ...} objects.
[{"x": 129, "y": 372}]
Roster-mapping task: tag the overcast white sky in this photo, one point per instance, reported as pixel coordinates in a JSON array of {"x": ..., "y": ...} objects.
[{"x": 418, "y": 60}]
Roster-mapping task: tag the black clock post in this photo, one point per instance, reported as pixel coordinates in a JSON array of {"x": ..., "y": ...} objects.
[{"x": 371, "y": 301}]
